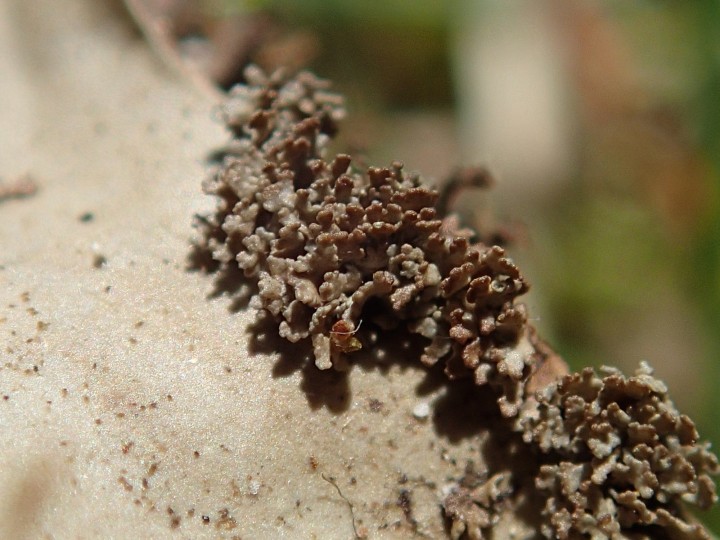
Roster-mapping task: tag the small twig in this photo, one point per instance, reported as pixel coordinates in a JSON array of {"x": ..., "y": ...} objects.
[
  {"x": 461, "y": 180},
  {"x": 330, "y": 480},
  {"x": 158, "y": 32}
]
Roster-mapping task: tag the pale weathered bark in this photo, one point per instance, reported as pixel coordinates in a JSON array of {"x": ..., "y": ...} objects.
[{"x": 136, "y": 401}]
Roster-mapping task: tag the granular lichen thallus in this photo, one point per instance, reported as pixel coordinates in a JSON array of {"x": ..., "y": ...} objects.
[
  {"x": 336, "y": 252},
  {"x": 622, "y": 457}
]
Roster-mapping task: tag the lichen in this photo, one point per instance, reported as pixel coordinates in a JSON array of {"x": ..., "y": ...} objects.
[
  {"x": 334, "y": 248},
  {"x": 473, "y": 509},
  {"x": 622, "y": 458},
  {"x": 339, "y": 255}
]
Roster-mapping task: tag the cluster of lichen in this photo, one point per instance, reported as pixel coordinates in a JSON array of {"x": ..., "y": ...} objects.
[
  {"x": 618, "y": 456},
  {"x": 331, "y": 247},
  {"x": 337, "y": 252}
]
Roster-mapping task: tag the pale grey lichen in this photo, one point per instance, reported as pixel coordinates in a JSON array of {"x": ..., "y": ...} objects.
[{"x": 619, "y": 458}]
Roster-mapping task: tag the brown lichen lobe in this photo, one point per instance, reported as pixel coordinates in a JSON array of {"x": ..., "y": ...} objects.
[
  {"x": 339, "y": 255},
  {"x": 622, "y": 457}
]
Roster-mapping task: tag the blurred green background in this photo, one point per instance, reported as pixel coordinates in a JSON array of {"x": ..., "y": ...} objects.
[{"x": 601, "y": 121}]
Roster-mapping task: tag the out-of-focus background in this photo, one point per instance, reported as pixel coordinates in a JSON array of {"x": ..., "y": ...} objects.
[{"x": 599, "y": 120}]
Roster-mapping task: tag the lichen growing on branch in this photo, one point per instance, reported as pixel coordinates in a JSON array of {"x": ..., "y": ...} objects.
[
  {"x": 331, "y": 247},
  {"x": 338, "y": 253},
  {"x": 622, "y": 457}
]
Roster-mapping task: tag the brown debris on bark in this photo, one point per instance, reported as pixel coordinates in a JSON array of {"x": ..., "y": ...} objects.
[{"x": 23, "y": 186}]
